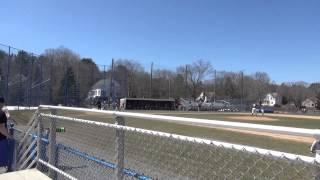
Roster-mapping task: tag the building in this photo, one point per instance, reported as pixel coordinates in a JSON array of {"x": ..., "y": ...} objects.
[
  {"x": 309, "y": 103},
  {"x": 147, "y": 104},
  {"x": 102, "y": 89},
  {"x": 271, "y": 99}
]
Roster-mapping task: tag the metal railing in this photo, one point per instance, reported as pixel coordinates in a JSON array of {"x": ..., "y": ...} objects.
[{"x": 99, "y": 150}]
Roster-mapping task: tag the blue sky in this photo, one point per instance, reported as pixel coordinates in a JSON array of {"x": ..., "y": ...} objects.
[{"x": 280, "y": 37}]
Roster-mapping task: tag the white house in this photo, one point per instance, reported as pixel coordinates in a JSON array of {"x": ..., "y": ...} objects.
[
  {"x": 95, "y": 93},
  {"x": 271, "y": 99},
  {"x": 309, "y": 103},
  {"x": 102, "y": 89}
]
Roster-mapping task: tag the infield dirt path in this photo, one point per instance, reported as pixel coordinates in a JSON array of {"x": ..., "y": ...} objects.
[
  {"x": 272, "y": 135},
  {"x": 248, "y": 117},
  {"x": 298, "y": 116},
  {"x": 251, "y": 118}
]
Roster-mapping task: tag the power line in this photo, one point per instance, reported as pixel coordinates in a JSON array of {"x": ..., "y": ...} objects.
[{"x": 18, "y": 49}]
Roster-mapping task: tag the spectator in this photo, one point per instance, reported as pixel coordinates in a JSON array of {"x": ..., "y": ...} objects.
[
  {"x": 99, "y": 104},
  {"x": 104, "y": 106},
  {"x": 4, "y": 136},
  {"x": 253, "y": 110},
  {"x": 262, "y": 110},
  {"x": 6, "y": 111}
]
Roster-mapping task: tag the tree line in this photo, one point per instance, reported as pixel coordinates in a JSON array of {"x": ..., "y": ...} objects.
[{"x": 60, "y": 76}]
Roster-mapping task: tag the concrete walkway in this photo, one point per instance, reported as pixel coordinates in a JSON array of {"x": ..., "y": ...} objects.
[{"x": 29, "y": 174}]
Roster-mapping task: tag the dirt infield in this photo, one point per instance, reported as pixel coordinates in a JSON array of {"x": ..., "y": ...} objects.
[
  {"x": 298, "y": 116},
  {"x": 273, "y": 135},
  {"x": 295, "y": 116},
  {"x": 252, "y": 118}
]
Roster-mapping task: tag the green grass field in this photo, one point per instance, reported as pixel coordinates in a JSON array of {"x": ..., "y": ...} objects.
[
  {"x": 281, "y": 121},
  {"x": 22, "y": 117}
]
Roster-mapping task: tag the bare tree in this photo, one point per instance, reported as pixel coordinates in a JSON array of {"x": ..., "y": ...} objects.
[
  {"x": 134, "y": 76},
  {"x": 197, "y": 72},
  {"x": 297, "y": 93},
  {"x": 262, "y": 81}
]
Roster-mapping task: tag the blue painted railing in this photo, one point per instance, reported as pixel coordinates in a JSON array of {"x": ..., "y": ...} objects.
[
  {"x": 102, "y": 162},
  {"x": 86, "y": 156}
]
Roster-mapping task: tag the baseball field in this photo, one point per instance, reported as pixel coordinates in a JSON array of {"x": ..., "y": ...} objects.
[{"x": 291, "y": 144}]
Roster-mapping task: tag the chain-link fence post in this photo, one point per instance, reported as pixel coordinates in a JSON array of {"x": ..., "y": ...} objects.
[
  {"x": 11, "y": 129},
  {"x": 52, "y": 145},
  {"x": 40, "y": 152},
  {"x": 12, "y": 159},
  {"x": 119, "y": 148}
]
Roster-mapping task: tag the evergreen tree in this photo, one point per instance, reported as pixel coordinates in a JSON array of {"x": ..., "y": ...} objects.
[
  {"x": 284, "y": 100},
  {"x": 68, "y": 91}
]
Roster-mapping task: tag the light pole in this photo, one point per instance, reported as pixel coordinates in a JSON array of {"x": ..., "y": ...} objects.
[{"x": 169, "y": 84}]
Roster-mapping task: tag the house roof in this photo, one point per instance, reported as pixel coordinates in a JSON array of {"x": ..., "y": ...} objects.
[
  {"x": 148, "y": 99},
  {"x": 312, "y": 99},
  {"x": 105, "y": 84},
  {"x": 275, "y": 95}
]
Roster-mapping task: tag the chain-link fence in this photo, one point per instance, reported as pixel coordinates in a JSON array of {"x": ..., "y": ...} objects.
[
  {"x": 57, "y": 76},
  {"x": 24, "y": 80},
  {"x": 28, "y": 79},
  {"x": 165, "y": 156},
  {"x": 85, "y": 149},
  {"x": 60, "y": 77}
]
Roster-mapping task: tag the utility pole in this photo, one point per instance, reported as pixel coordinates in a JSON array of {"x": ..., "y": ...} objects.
[
  {"x": 20, "y": 83},
  {"x": 215, "y": 84},
  {"x": 111, "y": 82},
  {"x": 241, "y": 90},
  {"x": 41, "y": 80},
  {"x": 92, "y": 78},
  {"x": 51, "y": 80},
  {"x": 8, "y": 74},
  {"x": 104, "y": 80},
  {"x": 78, "y": 88},
  {"x": 66, "y": 86},
  {"x": 169, "y": 87},
  {"x": 30, "y": 82},
  {"x": 186, "y": 79},
  {"x": 151, "y": 71},
  {"x": 127, "y": 83}
]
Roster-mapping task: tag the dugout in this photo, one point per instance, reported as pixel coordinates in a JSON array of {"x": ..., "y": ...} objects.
[{"x": 147, "y": 104}]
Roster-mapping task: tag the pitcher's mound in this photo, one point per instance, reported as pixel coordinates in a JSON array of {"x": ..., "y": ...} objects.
[{"x": 252, "y": 118}]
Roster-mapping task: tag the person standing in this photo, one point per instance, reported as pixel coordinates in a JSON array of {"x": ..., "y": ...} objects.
[
  {"x": 6, "y": 111},
  {"x": 253, "y": 110},
  {"x": 99, "y": 104},
  {"x": 4, "y": 136},
  {"x": 3, "y": 121}
]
